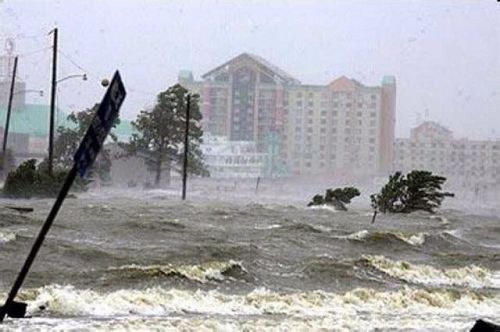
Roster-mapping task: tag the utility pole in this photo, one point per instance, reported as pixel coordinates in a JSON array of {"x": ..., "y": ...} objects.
[
  {"x": 7, "y": 120},
  {"x": 186, "y": 149},
  {"x": 52, "y": 103},
  {"x": 9, "y": 107}
]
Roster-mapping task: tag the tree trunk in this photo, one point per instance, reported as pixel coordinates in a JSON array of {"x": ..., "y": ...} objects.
[
  {"x": 158, "y": 172},
  {"x": 167, "y": 171}
]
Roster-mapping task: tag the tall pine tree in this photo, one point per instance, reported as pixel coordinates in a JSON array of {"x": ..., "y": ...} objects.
[{"x": 160, "y": 134}]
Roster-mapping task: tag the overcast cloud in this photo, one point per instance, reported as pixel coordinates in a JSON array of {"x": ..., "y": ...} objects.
[{"x": 444, "y": 54}]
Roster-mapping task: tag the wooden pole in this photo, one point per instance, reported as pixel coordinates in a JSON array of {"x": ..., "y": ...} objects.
[
  {"x": 52, "y": 103},
  {"x": 7, "y": 120}
]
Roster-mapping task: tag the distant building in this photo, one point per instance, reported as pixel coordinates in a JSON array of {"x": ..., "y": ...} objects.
[
  {"x": 433, "y": 147},
  {"x": 344, "y": 127},
  {"x": 31, "y": 122},
  {"x": 232, "y": 159}
]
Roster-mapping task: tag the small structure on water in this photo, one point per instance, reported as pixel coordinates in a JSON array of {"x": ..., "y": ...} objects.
[{"x": 232, "y": 159}]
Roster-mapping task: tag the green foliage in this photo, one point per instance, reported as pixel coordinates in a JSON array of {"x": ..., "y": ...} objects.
[
  {"x": 418, "y": 190},
  {"x": 68, "y": 139},
  {"x": 160, "y": 134},
  {"x": 338, "y": 197},
  {"x": 28, "y": 180}
]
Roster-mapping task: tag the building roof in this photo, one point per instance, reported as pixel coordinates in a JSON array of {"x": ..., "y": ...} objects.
[
  {"x": 388, "y": 80},
  {"x": 287, "y": 78},
  {"x": 32, "y": 119},
  {"x": 344, "y": 84}
]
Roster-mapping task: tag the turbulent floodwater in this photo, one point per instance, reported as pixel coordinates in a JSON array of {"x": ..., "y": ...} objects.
[{"x": 152, "y": 262}]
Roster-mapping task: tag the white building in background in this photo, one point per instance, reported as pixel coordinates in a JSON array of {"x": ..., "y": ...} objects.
[
  {"x": 465, "y": 162},
  {"x": 232, "y": 159}
]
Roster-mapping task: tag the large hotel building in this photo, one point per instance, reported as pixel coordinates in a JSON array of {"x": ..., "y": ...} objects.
[
  {"x": 465, "y": 162},
  {"x": 342, "y": 128}
]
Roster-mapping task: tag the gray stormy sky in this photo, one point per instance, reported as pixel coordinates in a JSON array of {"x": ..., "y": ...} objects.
[{"x": 444, "y": 54}]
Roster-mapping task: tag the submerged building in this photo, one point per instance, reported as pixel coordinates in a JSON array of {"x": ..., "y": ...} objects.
[{"x": 340, "y": 128}]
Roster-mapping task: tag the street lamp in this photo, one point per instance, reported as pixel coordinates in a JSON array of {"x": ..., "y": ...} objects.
[
  {"x": 52, "y": 113},
  {"x": 83, "y": 76}
]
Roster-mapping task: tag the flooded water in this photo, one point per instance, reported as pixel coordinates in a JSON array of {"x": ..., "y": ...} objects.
[{"x": 148, "y": 261}]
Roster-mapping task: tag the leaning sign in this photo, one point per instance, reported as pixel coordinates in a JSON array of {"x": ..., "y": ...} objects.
[
  {"x": 84, "y": 157},
  {"x": 100, "y": 126}
]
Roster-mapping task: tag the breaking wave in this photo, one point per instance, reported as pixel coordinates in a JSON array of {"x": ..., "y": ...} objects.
[
  {"x": 201, "y": 273},
  {"x": 323, "y": 207},
  {"x": 7, "y": 237},
  {"x": 70, "y": 301},
  {"x": 414, "y": 239},
  {"x": 469, "y": 276}
]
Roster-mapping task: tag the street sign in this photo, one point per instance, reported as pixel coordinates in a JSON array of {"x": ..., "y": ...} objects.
[
  {"x": 84, "y": 157},
  {"x": 101, "y": 125}
]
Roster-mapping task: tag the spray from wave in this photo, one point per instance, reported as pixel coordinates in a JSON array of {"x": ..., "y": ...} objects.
[
  {"x": 69, "y": 301},
  {"x": 414, "y": 239},
  {"x": 7, "y": 237},
  {"x": 468, "y": 276}
]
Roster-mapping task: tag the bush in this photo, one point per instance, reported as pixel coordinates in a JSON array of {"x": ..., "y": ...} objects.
[
  {"x": 418, "y": 190},
  {"x": 338, "y": 197},
  {"x": 28, "y": 180}
]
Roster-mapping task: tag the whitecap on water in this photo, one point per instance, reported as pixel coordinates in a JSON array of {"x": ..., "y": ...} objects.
[
  {"x": 407, "y": 307},
  {"x": 7, "y": 237},
  {"x": 468, "y": 276},
  {"x": 323, "y": 207}
]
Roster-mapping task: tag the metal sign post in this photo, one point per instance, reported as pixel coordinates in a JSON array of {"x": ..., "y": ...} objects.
[{"x": 84, "y": 157}]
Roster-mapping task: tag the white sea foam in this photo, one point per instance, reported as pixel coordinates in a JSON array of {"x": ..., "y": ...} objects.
[
  {"x": 273, "y": 226},
  {"x": 327, "y": 207},
  {"x": 7, "y": 237},
  {"x": 359, "y": 309},
  {"x": 414, "y": 239},
  {"x": 470, "y": 276}
]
